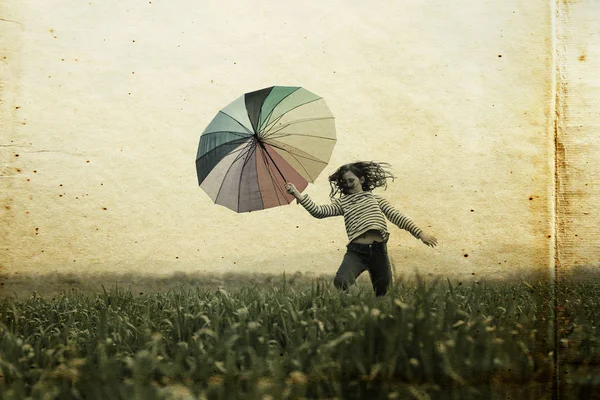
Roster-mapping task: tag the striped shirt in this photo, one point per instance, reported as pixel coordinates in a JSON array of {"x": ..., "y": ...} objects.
[{"x": 362, "y": 211}]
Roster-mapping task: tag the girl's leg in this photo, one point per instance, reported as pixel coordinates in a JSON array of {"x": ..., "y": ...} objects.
[
  {"x": 380, "y": 270},
  {"x": 352, "y": 266}
]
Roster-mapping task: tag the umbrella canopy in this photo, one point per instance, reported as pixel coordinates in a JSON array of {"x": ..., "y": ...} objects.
[{"x": 260, "y": 141}]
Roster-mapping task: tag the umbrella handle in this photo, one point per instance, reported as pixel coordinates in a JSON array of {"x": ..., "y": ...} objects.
[{"x": 273, "y": 161}]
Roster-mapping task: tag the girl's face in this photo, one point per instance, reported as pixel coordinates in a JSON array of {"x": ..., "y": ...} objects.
[{"x": 351, "y": 183}]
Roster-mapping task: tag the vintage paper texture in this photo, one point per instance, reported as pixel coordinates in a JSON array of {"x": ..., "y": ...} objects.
[
  {"x": 103, "y": 104},
  {"x": 577, "y": 149},
  {"x": 577, "y": 170}
]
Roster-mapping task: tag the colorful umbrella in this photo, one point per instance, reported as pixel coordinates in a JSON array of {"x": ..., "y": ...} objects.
[{"x": 262, "y": 140}]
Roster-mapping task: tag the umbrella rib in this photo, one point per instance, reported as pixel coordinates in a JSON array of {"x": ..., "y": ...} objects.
[
  {"x": 229, "y": 170},
  {"x": 293, "y": 155},
  {"x": 240, "y": 155},
  {"x": 296, "y": 121},
  {"x": 266, "y": 122},
  {"x": 236, "y": 142},
  {"x": 277, "y": 189},
  {"x": 237, "y": 150},
  {"x": 267, "y": 128},
  {"x": 300, "y": 134},
  {"x": 240, "y": 134},
  {"x": 242, "y": 125},
  {"x": 299, "y": 155},
  {"x": 246, "y": 161}
]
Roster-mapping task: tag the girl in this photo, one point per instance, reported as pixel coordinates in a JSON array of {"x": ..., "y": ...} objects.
[{"x": 366, "y": 227}]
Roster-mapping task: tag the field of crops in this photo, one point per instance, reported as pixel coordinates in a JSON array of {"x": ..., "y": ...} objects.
[{"x": 424, "y": 340}]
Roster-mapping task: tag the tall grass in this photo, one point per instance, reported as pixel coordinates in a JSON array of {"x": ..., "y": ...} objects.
[{"x": 424, "y": 340}]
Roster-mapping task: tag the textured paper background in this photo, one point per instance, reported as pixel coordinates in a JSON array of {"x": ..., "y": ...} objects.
[
  {"x": 578, "y": 149},
  {"x": 104, "y": 102}
]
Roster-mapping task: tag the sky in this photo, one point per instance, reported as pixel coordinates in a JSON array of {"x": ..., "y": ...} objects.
[{"x": 105, "y": 102}]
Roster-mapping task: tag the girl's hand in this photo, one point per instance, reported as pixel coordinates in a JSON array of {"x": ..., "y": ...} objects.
[
  {"x": 291, "y": 189},
  {"x": 428, "y": 240}
]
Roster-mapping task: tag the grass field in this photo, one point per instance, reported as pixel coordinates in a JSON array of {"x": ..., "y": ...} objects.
[{"x": 277, "y": 340}]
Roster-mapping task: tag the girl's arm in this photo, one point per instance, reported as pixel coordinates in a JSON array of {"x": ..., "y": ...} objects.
[
  {"x": 317, "y": 211},
  {"x": 401, "y": 221}
]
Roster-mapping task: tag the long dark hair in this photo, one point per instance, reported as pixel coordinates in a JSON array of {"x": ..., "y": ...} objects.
[{"x": 374, "y": 173}]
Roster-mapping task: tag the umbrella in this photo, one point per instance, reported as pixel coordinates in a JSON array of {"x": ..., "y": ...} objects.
[{"x": 262, "y": 140}]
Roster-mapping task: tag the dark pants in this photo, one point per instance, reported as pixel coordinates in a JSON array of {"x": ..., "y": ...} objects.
[{"x": 370, "y": 257}]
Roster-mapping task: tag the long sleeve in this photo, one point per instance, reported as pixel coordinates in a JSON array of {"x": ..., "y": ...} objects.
[
  {"x": 401, "y": 221},
  {"x": 324, "y": 211}
]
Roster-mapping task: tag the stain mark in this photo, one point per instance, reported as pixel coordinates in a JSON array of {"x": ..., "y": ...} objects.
[
  {"x": 14, "y": 22},
  {"x": 582, "y": 57},
  {"x": 466, "y": 255}
]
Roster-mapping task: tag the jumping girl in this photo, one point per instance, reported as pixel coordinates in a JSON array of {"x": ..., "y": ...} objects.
[{"x": 366, "y": 227}]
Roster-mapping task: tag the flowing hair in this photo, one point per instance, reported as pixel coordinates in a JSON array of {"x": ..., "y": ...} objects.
[{"x": 374, "y": 173}]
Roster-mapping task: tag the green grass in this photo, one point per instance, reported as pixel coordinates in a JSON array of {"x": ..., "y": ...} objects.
[{"x": 424, "y": 340}]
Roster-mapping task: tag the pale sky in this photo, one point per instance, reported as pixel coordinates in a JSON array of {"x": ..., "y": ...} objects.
[{"x": 106, "y": 101}]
